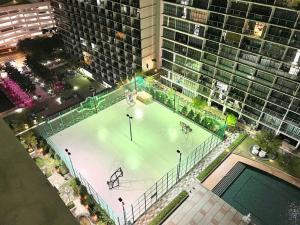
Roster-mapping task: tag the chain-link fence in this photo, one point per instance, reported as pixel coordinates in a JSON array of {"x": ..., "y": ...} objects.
[
  {"x": 93, "y": 105},
  {"x": 162, "y": 186},
  {"x": 184, "y": 106},
  {"x": 75, "y": 173},
  {"x": 85, "y": 109}
]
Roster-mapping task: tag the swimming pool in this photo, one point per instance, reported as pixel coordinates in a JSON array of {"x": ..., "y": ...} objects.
[{"x": 271, "y": 201}]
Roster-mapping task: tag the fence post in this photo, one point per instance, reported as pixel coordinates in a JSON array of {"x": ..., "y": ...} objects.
[
  {"x": 61, "y": 121},
  {"x": 167, "y": 181},
  {"x": 132, "y": 213},
  {"x": 145, "y": 201},
  {"x": 186, "y": 164},
  {"x": 156, "y": 190}
]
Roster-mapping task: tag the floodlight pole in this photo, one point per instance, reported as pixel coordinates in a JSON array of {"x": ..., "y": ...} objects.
[
  {"x": 124, "y": 212},
  {"x": 70, "y": 160},
  {"x": 135, "y": 82},
  {"x": 95, "y": 105},
  {"x": 178, "y": 171},
  {"x": 129, "y": 119}
]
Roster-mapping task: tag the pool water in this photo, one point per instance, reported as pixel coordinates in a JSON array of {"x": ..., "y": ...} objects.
[{"x": 271, "y": 201}]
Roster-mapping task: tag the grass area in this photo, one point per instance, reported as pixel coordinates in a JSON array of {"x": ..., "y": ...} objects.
[
  {"x": 214, "y": 164},
  {"x": 171, "y": 207},
  {"x": 284, "y": 161}
]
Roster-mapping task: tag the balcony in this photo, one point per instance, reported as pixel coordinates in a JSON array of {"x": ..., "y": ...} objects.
[
  {"x": 218, "y": 6},
  {"x": 252, "y": 45},
  {"x": 238, "y": 9},
  {"x": 259, "y": 12},
  {"x": 254, "y": 28},
  {"x": 234, "y": 24},
  {"x": 231, "y": 39},
  {"x": 278, "y": 34}
]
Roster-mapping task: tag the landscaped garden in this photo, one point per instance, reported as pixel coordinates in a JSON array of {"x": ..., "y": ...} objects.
[
  {"x": 17, "y": 86},
  {"x": 196, "y": 109},
  {"x": 74, "y": 194},
  {"x": 283, "y": 160}
]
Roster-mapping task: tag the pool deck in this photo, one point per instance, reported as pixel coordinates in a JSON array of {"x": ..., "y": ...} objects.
[
  {"x": 204, "y": 207},
  {"x": 226, "y": 166}
]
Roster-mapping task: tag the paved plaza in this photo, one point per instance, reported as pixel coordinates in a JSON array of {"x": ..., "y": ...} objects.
[{"x": 204, "y": 207}]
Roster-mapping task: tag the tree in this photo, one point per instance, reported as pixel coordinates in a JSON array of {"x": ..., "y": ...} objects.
[
  {"x": 191, "y": 114},
  {"x": 23, "y": 81},
  {"x": 199, "y": 102},
  {"x": 197, "y": 118},
  {"x": 268, "y": 141},
  {"x": 231, "y": 120},
  {"x": 29, "y": 140},
  {"x": 184, "y": 110}
]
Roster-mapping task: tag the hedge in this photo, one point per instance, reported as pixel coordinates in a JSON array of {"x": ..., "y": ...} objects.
[
  {"x": 172, "y": 206},
  {"x": 214, "y": 164}
]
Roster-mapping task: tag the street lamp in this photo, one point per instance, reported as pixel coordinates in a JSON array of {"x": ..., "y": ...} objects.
[
  {"x": 95, "y": 104},
  {"x": 70, "y": 160},
  {"x": 178, "y": 171},
  {"x": 123, "y": 206},
  {"x": 129, "y": 119}
]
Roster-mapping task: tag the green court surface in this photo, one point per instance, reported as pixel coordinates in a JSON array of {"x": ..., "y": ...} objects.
[
  {"x": 270, "y": 200},
  {"x": 101, "y": 144}
]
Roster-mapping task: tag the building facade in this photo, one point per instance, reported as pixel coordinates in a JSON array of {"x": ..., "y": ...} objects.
[
  {"x": 241, "y": 56},
  {"x": 18, "y": 22},
  {"x": 114, "y": 38}
]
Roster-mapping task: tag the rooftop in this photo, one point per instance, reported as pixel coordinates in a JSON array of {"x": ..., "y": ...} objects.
[{"x": 27, "y": 198}]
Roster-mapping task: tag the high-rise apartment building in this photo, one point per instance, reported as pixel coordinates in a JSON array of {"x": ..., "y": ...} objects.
[
  {"x": 241, "y": 56},
  {"x": 114, "y": 38},
  {"x": 22, "y": 21}
]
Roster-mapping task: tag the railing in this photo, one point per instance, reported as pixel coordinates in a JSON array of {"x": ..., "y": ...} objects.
[
  {"x": 163, "y": 185},
  {"x": 83, "y": 181},
  {"x": 91, "y": 106}
]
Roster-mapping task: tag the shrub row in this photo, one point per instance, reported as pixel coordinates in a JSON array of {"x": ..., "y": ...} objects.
[
  {"x": 88, "y": 200},
  {"x": 206, "y": 121},
  {"x": 170, "y": 208},
  {"x": 214, "y": 164}
]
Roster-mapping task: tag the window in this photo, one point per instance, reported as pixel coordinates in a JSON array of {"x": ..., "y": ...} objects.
[
  {"x": 168, "y": 44},
  {"x": 180, "y": 60},
  {"x": 194, "y": 54},
  {"x": 183, "y": 38},
  {"x": 180, "y": 49},
  {"x": 198, "y": 16},
  {"x": 183, "y": 26},
  {"x": 170, "y": 10},
  {"x": 195, "y": 42},
  {"x": 167, "y": 55},
  {"x": 168, "y": 34},
  {"x": 193, "y": 64}
]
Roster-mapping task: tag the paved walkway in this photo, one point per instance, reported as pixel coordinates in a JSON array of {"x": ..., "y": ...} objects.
[
  {"x": 226, "y": 166},
  {"x": 188, "y": 183},
  {"x": 204, "y": 207}
]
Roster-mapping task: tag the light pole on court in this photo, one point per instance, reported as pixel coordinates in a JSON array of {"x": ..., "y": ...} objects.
[
  {"x": 70, "y": 160},
  {"x": 123, "y": 206},
  {"x": 178, "y": 171},
  {"x": 129, "y": 119}
]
